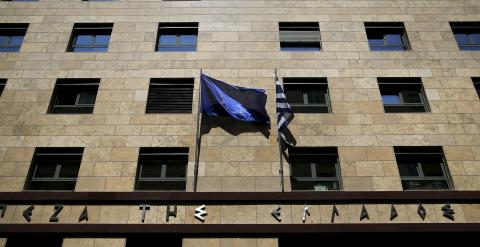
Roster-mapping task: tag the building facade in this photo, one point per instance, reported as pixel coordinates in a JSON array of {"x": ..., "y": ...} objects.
[{"x": 98, "y": 121}]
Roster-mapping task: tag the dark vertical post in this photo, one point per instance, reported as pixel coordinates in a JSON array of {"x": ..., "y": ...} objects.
[
  {"x": 280, "y": 149},
  {"x": 197, "y": 140}
]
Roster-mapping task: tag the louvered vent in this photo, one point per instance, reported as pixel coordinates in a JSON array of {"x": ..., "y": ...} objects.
[{"x": 170, "y": 96}]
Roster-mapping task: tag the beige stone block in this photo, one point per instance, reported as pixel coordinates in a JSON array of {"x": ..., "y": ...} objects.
[
  {"x": 380, "y": 153},
  {"x": 90, "y": 184},
  {"x": 107, "y": 169},
  {"x": 458, "y": 153},
  {"x": 73, "y": 242},
  {"x": 413, "y": 216},
  {"x": 239, "y": 154},
  {"x": 124, "y": 154},
  {"x": 19, "y": 154},
  {"x": 238, "y": 184},
  {"x": 254, "y": 169},
  {"x": 369, "y": 168},
  {"x": 206, "y": 184},
  {"x": 110, "y": 242},
  {"x": 271, "y": 184},
  {"x": 135, "y": 214},
  {"x": 357, "y": 183},
  {"x": 238, "y": 214},
  {"x": 114, "y": 214},
  {"x": 201, "y": 242},
  {"x": 222, "y": 169},
  {"x": 119, "y": 184},
  {"x": 97, "y": 154},
  {"x": 10, "y": 184},
  {"x": 352, "y": 153},
  {"x": 386, "y": 184}
]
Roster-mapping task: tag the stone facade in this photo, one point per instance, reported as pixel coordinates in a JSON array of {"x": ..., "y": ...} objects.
[{"x": 238, "y": 42}]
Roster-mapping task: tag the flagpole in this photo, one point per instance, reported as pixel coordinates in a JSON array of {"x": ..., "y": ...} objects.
[
  {"x": 279, "y": 143},
  {"x": 197, "y": 140}
]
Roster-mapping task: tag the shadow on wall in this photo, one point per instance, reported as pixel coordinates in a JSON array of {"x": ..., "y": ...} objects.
[{"x": 233, "y": 126}]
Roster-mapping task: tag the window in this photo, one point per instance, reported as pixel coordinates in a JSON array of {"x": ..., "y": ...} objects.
[
  {"x": 11, "y": 36},
  {"x": 467, "y": 35},
  {"x": 476, "y": 84},
  {"x": 423, "y": 168},
  {"x": 299, "y": 36},
  {"x": 74, "y": 96},
  {"x": 389, "y": 36},
  {"x": 3, "y": 82},
  {"x": 307, "y": 95},
  {"x": 54, "y": 169},
  {"x": 177, "y": 37},
  {"x": 314, "y": 169},
  {"x": 403, "y": 95},
  {"x": 90, "y": 37},
  {"x": 162, "y": 169},
  {"x": 172, "y": 95}
]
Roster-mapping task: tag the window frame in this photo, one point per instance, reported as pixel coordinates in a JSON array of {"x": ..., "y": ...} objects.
[
  {"x": 59, "y": 162},
  {"x": 286, "y": 29},
  {"x": 396, "y": 83},
  {"x": 60, "y": 86},
  {"x": 466, "y": 28},
  {"x": 163, "y": 167},
  {"x": 92, "y": 29},
  {"x": 10, "y": 30},
  {"x": 385, "y": 28},
  {"x": 317, "y": 152},
  {"x": 316, "y": 81},
  {"x": 421, "y": 177},
  {"x": 178, "y": 29}
]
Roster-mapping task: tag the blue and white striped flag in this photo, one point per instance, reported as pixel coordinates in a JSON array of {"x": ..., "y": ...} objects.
[{"x": 284, "y": 112}]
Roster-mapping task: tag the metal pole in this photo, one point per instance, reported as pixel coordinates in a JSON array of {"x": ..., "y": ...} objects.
[
  {"x": 197, "y": 141},
  {"x": 279, "y": 142}
]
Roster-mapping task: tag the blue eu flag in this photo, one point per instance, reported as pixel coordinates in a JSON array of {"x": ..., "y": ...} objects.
[{"x": 222, "y": 99}]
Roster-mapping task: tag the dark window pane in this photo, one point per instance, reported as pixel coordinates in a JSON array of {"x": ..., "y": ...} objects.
[
  {"x": 87, "y": 97},
  {"x": 294, "y": 96},
  {"x": 475, "y": 38},
  {"x": 188, "y": 40},
  {"x": 46, "y": 169},
  {"x": 432, "y": 169},
  {"x": 4, "y": 40},
  {"x": 102, "y": 40},
  {"x": 326, "y": 169},
  {"x": 69, "y": 169},
  {"x": 16, "y": 40},
  {"x": 162, "y": 185},
  {"x": 176, "y": 169},
  {"x": 411, "y": 97},
  {"x": 314, "y": 185},
  {"x": 84, "y": 40},
  {"x": 316, "y": 97},
  {"x": 152, "y": 169},
  {"x": 67, "y": 97},
  {"x": 380, "y": 41},
  {"x": 462, "y": 38},
  {"x": 170, "y": 40},
  {"x": 425, "y": 185},
  {"x": 52, "y": 185},
  {"x": 390, "y": 99},
  {"x": 394, "y": 39},
  {"x": 408, "y": 170},
  {"x": 301, "y": 168}
]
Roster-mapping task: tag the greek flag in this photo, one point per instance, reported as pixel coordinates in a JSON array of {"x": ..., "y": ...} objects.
[{"x": 284, "y": 112}]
